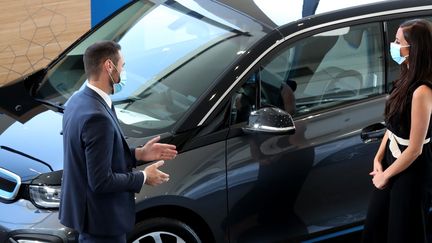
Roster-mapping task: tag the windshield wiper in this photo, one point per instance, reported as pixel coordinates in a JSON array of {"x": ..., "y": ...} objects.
[{"x": 59, "y": 108}]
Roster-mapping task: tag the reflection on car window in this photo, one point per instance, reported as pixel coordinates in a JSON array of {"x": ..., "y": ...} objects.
[
  {"x": 172, "y": 56},
  {"x": 245, "y": 99},
  {"x": 324, "y": 70},
  {"x": 157, "y": 42}
]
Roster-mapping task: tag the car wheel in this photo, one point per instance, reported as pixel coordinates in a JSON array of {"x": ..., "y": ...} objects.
[{"x": 163, "y": 230}]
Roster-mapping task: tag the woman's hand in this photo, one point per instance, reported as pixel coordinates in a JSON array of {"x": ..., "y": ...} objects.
[
  {"x": 379, "y": 180},
  {"x": 377, "y": 167}
]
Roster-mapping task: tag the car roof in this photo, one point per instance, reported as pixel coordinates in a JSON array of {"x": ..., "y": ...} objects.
[
  {"x": 384, "y": 10},
  {"x": 275, "y": 13}
]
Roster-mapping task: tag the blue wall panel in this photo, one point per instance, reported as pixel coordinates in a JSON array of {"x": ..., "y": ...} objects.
[{"x": 100, "y": 9}]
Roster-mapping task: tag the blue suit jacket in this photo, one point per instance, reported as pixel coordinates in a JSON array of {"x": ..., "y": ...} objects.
[{"x": 98, "y": 184}]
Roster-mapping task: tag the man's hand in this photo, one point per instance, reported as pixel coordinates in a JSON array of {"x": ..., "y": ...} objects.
[
  {"x": 153, "y": 150},
  {"x": 154, "y": 175}
]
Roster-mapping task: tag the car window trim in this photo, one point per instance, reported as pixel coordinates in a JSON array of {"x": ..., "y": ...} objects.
[{"x": 309, "y": 29}]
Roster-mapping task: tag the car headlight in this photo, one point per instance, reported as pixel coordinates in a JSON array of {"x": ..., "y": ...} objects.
[
  {"x": 45, "y": 196},
  {"x": 44, "y": 190}
]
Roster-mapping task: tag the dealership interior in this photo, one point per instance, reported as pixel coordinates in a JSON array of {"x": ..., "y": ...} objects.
[
  {"x": 271, "y": 113},
  {"x": 34, "y": 32}
]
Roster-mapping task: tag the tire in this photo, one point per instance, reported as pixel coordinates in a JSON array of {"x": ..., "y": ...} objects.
[{"x": 163, "y": 230}]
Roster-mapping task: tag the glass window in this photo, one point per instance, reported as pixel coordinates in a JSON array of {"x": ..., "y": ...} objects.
[
  {"x": 172, "y": 54},
  {"x": 245, "y": 99},
  {"x": 327, "y": 69}
]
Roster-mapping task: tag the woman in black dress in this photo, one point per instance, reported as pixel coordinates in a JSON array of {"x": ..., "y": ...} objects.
[{"x": 402, "y": 168}]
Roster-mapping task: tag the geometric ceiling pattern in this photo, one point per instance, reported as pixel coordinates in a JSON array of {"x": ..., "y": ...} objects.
[{"x": 34, "y": 32}]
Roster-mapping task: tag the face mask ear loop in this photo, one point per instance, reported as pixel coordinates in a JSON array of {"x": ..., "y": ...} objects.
[
  {"x": 112, "y": 79},
  {"x": 405, "y": 57},
  {"x": 404, "y": 47}
]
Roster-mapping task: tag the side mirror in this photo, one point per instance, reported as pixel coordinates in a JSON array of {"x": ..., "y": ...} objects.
[{"x": 270, "y": 120}]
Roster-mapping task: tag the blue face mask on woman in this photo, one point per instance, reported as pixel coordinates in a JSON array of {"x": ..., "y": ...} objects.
[
  {"x": 117, "y": 87},
  {"x": 395, "y": 53}
]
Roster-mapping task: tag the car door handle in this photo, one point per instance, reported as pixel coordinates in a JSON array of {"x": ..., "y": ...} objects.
[{"x": 373, "y": 132}]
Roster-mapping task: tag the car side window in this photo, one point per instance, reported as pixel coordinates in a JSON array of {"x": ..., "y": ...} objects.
[
  {"x": 324, "y": 70},
  {"x": 244, "y": 100}
]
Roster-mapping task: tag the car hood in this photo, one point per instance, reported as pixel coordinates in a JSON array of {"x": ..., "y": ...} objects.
[{"x": 34, "y": 147}]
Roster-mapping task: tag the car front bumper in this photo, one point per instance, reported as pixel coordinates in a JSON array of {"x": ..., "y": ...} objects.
[{"x": 22, "y": 222}]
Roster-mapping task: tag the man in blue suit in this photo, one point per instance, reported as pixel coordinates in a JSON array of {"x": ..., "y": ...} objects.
[{"x": 98, "y": 184}]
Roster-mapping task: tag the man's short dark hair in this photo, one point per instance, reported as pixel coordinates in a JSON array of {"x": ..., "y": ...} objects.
[{"x": 97, "y": 53}]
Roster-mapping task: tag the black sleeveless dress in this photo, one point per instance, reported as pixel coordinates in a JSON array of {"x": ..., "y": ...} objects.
[{"x": 398, "y": 213}]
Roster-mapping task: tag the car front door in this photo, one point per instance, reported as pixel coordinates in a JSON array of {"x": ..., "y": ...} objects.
[{"x": 283, "y": 187}]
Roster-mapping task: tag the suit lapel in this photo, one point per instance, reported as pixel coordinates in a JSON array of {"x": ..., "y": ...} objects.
[{"x": 95, "y": 95}]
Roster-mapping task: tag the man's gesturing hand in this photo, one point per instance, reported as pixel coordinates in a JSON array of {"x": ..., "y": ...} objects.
[
  {"x": 153, "y": 150},
  {"x": 154, "y": 175}
]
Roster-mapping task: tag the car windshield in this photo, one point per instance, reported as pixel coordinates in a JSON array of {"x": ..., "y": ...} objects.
[{"x": 173, "y": 53}]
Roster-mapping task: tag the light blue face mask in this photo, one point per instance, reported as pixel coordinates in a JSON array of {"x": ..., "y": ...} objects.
[
  {"x": 395, "y": 53},
  {"x": 117, "y": 87}
]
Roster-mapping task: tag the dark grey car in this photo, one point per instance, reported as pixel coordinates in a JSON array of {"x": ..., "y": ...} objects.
[{"x": 276, "y": 125}]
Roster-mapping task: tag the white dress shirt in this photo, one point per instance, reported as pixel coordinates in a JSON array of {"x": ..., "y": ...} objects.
[{"x": 102, "y": 94}]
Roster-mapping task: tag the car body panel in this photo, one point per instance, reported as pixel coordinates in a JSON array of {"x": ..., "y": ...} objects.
[
  {"x": 197, "y": 179},
  {"x": 22, "y": 136},
  {"x": 303, "y": 183}
]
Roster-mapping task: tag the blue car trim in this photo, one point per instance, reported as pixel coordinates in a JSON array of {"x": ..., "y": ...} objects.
[
  {"x": 12, "y": 177},
  {"x": 335, "y": 234}
]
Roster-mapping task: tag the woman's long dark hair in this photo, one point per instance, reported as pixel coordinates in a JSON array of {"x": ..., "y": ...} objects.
[{"x": 418, "y": 34}]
